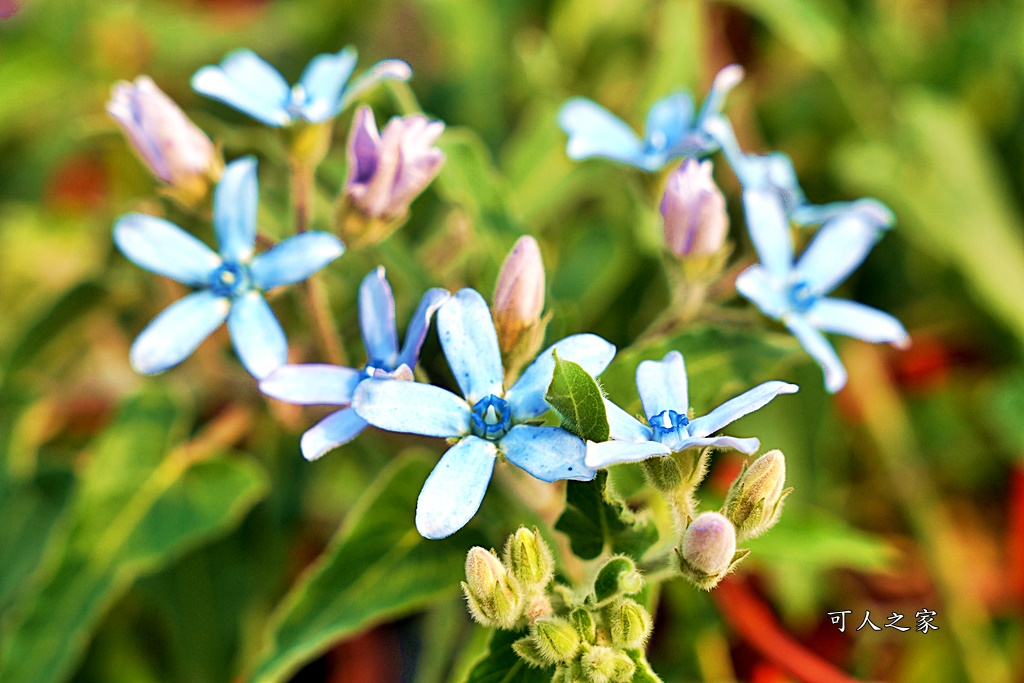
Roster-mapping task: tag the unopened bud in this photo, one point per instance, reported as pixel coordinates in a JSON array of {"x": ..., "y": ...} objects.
[
  {"x": 529, "y": 652},
  {"x": 493, "y": 596},
  {"x": 529, "y": 559},
  {"x": 557, "y": 640},
  {"x": 693, "y": 210},
  {"x": 570, "y": 672},
  {"x": 630, "y": 624},
  {"x": 583, "y": 622},
  {"x": 754, "y": 500},
  {"x": 708, "y": 549},
  {"x": 606, "y": 665},
  {"x": 173, "y": 148},
  {"x": 519, "y": 298},
  {"x": 618, "y": 577}
]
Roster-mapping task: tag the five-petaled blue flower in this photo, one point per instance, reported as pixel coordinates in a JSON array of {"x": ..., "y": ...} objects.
[
  {"x": 247, "y": 83},
  {"x": 319, "y": 384},
  {"x": 672, "y": 129},
  {"x": 795, "y": 292},
  {"x": 663, "y": 392},
  {"x": 488, "y": 421},
  {"x": 229, "y": 284}
]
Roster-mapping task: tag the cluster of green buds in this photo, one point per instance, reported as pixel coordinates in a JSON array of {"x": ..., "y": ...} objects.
[{"x": 510, "y": 592}]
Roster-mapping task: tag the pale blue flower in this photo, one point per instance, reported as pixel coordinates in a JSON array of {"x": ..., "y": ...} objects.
[
  {"x": 319, "y": 384},
  {"x": 229, "y": 284},
  {"x": 663, "y": 391},
  {"x": 487, "y": 420},
  {"x": 672, "y": 129},
  {"x": 251, "y": 85},
  {"x": 795, "y": 292}
]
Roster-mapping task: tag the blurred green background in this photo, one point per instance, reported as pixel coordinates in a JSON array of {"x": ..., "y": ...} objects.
[{"x": 162, "y": 529}]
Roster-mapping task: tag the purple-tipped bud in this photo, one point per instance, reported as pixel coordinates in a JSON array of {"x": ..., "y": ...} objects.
[
  {"x": 519, "y": 294},
  {"x": 175, "y": 150},
  {"x": 8, "y": 8},
  {"x": 693, "y": 210},
  {"x": 708, "y": 550},
  {"x": 387, "y": 171}
]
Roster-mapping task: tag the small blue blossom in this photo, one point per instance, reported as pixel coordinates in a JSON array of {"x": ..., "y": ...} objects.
[
  {"x": 251, "y": 85},
  {"x": 319, "y": 384},
  {"x": 672, "y": 129},
  {"x": 663, "y": 391},
  {"x": 486, "y": 420},
  {"x": 229, "y": 284},
  {"x": 794, "y": 293}
]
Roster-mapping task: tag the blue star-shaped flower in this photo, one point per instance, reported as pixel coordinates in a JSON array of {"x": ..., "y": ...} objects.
[
  {"x": 319, "y": 384},
  {"x": 671, "y": 131},
  {"x": 489, "y": 421},
  {"x": 251, "y": 85},
  {"x": 795, "y": 292},
  {"x": 229, "y": 283},
  {"x": 663, "y": 392}
]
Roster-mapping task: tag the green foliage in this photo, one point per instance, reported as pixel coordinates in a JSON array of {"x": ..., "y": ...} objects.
[
  {"x": 377, "y": 567},
  {"x": 595, "y": 521},
  {"x": 577, "y": 399},
  {"x": 500, "y": 663},
  {"x": 136, "y": 508}
]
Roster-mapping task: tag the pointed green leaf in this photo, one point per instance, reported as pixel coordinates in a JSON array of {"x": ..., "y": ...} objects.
[
  {"x": 595, "y": 521},
  {"x": 577, "y": 399}
]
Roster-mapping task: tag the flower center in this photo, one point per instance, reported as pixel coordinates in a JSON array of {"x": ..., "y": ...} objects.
[
  {"x": 801, "y": 296},
  {"x": 230, "y": 279},
  {"x": 491, "y": 418},
  {"x": 374, "y": 367},
  {"x": 658, "y": 141},
  {"x": 668, "y": 424}
]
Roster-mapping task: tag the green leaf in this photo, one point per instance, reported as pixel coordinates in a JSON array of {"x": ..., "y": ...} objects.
[
  {"x": 577, "y": 399},
  {"x": 377, "y": 567},
  {"x": 500, "y": 664},
  {"x": 644, "y": 673},
  {"x": 595, "y": 521},
  {"x": 137, "y": 508}
]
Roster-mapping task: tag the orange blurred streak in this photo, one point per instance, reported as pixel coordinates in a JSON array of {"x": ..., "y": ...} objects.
[
  {"x": 754, "y": 622},
  {"x": 1015, "y": 540}
]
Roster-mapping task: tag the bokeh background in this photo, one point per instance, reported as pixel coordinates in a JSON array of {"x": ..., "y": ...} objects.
[{"x": 150, "y": 528}]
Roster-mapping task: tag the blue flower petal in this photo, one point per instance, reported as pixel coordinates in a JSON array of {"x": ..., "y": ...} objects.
[
  {"x": 312, "y": 384},
  {"x": 737, "y": 407},
  {"x": 163, "y": 248},
  {"x": 234, "y": 210},
  {"x": 840, "y": 246},
  {"x": 817, "y": 346},
  {"x": 548, "y": 453},
  {"x": 470, "y": 344},
  {"x": 454, "y": 490},
  {"x": 294, "y": 259},
  {"x": 615, "y": 452},
  {"x": 594, "y": 131},
  {"x": 769, "y": 230},
  {"x": 388, "y": 69},
  {"x": 625, "y": 427},
  {"x": 668, "y": 121},
  {"x": 324, "y": 81},
  {"x": 872, "y": 210},
  {"x": 662, "y": 385},
  {"x": 177, "y": 331},
  {"x": 856, "y": 320},
  {"x": 377, "y": 317},
  {"x": 432, "y": 300},
  {"x": 746, "y": 446},
  {"x": 247, "y": 83},
  {"x": 411, "y": 407},
  {"x": 725, "y": 80},
  {"x": 758, "y": 285},
  {"x": 526, "y": 397},
  {"x": 335, "y": 430},
  {"x": 257, "y": 336}
]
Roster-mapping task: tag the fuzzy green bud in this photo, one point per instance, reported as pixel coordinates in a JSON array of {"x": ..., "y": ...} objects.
[
  {"x": 528, "y": 558},
  {"x": 570, "y": 672},
  {"x": 557, "y": 640},
  {"x": 708, "y": 550},
  {"x": 618, "y": 577},
  {"x": 529, "y": 652},
  {"x": 630, "y": 624},
  {"x": 583, "y": 622},
  {"x": 754, "y": 500},
  {"x": 493, "y": 596},
  {"x": 605, "y": 665}
]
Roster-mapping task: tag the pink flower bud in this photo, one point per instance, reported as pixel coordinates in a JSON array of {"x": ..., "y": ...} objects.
[
  {"x": 175, "y": 150},
  {"x": 387, "y": 171},
  {"x": 519, "y": 293},
  {"x": 693, "y": 209},
  {"x": 709, "y": 543}
]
